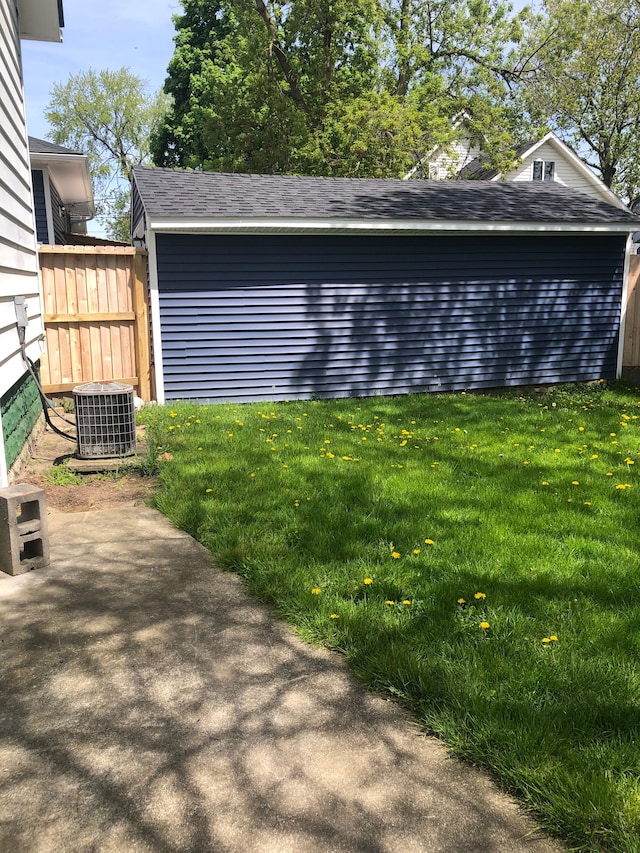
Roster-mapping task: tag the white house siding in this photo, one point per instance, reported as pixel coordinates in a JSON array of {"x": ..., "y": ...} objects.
[
  {"x": 565, "y": 172},
  {"x": 18, "y": 252},
  {"x": 446, "y": 163}
]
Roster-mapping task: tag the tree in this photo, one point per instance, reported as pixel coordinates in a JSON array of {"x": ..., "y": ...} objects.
[
  {"x": 334, "y": 87},
  {"x": 582, "y": 60},
  {"x": 108, "y": 115}
]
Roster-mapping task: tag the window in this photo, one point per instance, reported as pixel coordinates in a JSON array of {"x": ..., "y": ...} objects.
[{"x": 543, "y": 170}]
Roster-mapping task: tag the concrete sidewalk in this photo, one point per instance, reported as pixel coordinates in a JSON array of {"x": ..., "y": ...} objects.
[{"x": 148, "y": 704}]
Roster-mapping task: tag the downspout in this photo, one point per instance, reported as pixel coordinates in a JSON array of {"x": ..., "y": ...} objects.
[{"x": 623, "y": 307}]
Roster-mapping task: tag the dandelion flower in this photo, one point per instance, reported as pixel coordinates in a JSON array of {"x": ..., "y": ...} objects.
[
  {"x": 461, "y": 601},
  {"x": 544, "y": 483},
  {"x": 623, "y": 486},
  {"x": 334, "y": 616},
  {"x": 390, "y": 603},
  {"x": 368, "y": 581},
  {"x": 416, "y": 550},
  {"x": 485, "y": 626},
  {"x": 316, "y": 590},
  {"x": 553, "y": 638},
  {"x": 575, "y": 483},
  {"x": 546, "y": 639},
  {"x": 395, "y": 555},
  {"x": 480, "y": 595},
  {"x": 428, "y": 542},
  {"x": 208, "y": 491},
  {"x": 406, "y": 601}
]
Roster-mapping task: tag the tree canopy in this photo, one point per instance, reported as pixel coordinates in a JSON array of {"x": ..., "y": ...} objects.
[
  {"x": 582, "y": 59},
  {"x": 110, "y": 116},
  {"x": 336, "y": 87}
]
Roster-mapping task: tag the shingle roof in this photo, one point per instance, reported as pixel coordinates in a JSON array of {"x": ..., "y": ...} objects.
[
  {"x": 43, "y": 146},
  {"x": 175, "y": 194}
]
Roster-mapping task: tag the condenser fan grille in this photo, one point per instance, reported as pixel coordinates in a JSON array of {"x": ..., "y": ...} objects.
[{"x": 105, "y": 420}]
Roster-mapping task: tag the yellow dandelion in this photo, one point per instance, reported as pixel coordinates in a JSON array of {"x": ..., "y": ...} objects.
[
  {"x": 544, "y": 483},
  {"x": 316, "y": 590},
  {"x": 575, "y": 483},
  {"x": 546, "y": 639},
  {"x": 553, "y": 638},
  {"x": 416, "y": 550},
  {"x": 485, "y": 626},
  {"x": 428, "y": 542},
  {"x": 461, "y": 601},
  {"x": 173, "y": 414},
  {"x": 368, "y": 581},
  {"x": 609, "y": 474},
  {"x": 594, "y": 456},
  {"x": 406, "y": 601},
  {"x": 390, "y": 603},
  {"x": 208, "y": 491},
  {"x": 623, "y": 486},
  {"x": 334, "y": 616},
  {"x": 395, "y": 555},
  {"x": 629, "y": 461},
  {"x": 480, "y": 595}
]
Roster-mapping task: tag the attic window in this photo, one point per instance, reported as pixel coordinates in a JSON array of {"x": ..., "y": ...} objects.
[{"x": 543, "y": 170}]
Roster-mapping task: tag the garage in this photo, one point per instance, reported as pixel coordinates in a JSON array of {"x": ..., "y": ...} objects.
[{"x": 271, "y": 287}]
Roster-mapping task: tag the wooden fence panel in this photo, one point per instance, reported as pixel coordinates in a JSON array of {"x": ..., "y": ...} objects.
[
  {"x": 96, "y": 317},
  {"x": 631, "y": 348}
]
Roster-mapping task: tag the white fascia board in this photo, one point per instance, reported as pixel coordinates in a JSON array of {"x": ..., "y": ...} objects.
[
  {"x": 382, "y": 226},
  {"x": 39, "y": 20}
]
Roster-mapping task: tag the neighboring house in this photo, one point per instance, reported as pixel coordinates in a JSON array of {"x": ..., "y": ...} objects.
[
  {"x": 545, "y": 161},
  {"x": 276, "y": 287},
  {"x": 20, "y": 294},
  {"x": 62, "y": 191}
]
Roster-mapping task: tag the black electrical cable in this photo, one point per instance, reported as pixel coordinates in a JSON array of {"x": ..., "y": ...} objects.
[{"x": 46, "y": 405}]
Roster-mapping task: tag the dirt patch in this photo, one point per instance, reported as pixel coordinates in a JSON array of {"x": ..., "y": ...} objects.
[{"x": 92, "y": 491}]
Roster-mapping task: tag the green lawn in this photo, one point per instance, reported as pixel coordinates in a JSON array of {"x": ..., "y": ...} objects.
[{"x": 477, "y": 557}]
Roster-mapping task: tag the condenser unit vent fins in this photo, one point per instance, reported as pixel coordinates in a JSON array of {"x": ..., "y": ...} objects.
[{"x": 105, "y": 420}]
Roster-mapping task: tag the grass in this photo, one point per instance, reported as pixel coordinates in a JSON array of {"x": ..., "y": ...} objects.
[{"x": 500, "y": 538}]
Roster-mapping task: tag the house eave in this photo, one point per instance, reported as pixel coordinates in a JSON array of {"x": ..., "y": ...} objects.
[
  {"x": 70, "y": 173},
  {"x": 254, "y": 225},
  {"x": 40, "y": 20}
]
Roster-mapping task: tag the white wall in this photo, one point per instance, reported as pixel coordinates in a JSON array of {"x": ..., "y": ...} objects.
[
  {"x": 565, "y": 172},
  {"x": 18, "y": 253},
  {"x": 446, "y": 163}
]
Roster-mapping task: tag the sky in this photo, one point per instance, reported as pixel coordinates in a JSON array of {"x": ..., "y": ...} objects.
[{"x": 99, "y": 34}]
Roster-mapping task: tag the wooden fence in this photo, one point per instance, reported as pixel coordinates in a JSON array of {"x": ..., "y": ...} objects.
[
  {"x": 96, "y": 317},
  {"x": 631, "y": 348}
]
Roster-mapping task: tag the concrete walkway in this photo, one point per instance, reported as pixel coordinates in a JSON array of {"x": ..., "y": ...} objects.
[{"x": 148, "y": 704}]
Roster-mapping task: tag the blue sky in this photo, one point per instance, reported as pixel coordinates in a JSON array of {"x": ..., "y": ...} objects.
[{"x": 99, "y": 34}]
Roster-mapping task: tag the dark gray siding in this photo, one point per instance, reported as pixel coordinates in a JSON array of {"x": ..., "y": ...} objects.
[
  {"x": 137, "y": 208},
  {"x": 60, "y": 218},
  {"x": 282, "y": 317},
  {"x": 40, "y": 206}
]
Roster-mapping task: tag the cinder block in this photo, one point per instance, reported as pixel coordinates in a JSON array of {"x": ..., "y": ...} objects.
[{"x": 24, "y": 532}]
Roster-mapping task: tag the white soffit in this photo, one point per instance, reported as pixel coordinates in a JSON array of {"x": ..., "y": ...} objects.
[{"x": 40, "y": 20}]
